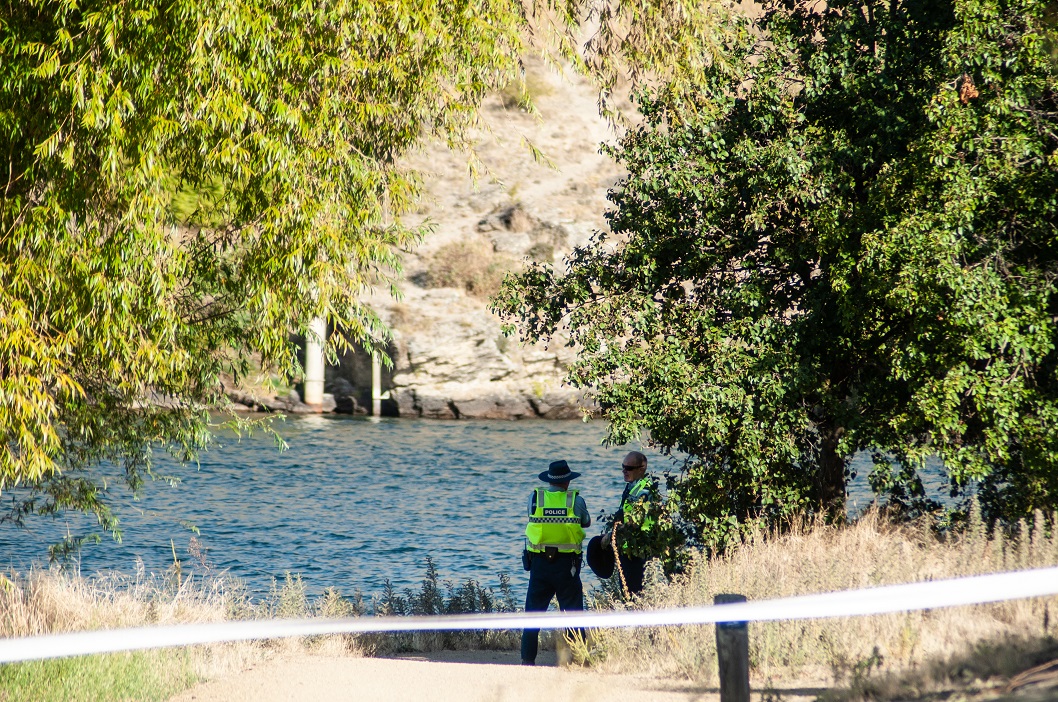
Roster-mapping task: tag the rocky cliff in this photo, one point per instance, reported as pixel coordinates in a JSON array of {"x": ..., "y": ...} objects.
[{"x": 449, "y": 359}]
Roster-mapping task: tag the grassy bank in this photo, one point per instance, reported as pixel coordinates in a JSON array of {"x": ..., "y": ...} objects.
[
  {"x": 880, "y": 657},
  {"x": 914, "y": 652},
  {"x": 53, "y": 601}
]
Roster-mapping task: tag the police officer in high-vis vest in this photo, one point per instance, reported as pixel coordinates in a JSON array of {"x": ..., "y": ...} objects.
[
  {"x": 557, "y": 518},
  {"x": 637, "y": 487}
]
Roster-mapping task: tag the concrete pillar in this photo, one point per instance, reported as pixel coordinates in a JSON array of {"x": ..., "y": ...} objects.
[
  {"x": 315, "y": 341},
  {"x": 376, "y": 384}
]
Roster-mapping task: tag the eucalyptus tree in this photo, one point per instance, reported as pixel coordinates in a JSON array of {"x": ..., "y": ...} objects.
[
  {"x": 844, "y": 240},
  {"x": 184, "y": 185}
]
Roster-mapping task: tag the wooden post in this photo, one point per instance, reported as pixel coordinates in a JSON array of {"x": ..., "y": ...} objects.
[
  {"x": 732, "y": 652},
  {"x": 315, "y": 340},
  {"x": 376, "y": 384}
]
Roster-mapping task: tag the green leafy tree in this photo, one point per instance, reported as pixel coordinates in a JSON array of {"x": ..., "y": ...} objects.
[
  {"x": 844, "y": 240},
  {"x": 184, "y": 185}
]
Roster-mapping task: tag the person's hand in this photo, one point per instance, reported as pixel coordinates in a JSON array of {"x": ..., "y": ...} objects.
[{"x": 607, "y": 535}]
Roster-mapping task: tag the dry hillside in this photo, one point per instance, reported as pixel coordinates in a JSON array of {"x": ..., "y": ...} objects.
[{"x": 449, "y": 357}]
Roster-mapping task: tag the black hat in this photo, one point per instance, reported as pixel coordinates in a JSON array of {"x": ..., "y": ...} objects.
[
  {"x": 558, "y": 472},
  {"x": 600, "y": 560}
]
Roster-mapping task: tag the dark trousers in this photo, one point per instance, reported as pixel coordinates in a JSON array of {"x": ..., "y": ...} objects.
[{"x": 558, "y": 578}]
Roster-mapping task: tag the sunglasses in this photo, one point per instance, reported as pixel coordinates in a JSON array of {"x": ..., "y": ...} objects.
[{"x": 630, "y": 467}]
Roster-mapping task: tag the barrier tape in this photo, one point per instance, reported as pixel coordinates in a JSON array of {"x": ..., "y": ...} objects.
[{"x": 979, "y": 589}]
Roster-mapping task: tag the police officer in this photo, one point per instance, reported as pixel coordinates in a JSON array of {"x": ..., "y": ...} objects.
[
  {"x": 637, "y": 485},
  {"x": 553, "y": 536}
]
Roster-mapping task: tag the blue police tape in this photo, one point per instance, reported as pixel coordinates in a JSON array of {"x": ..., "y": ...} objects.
[{"x": 979, "y": 589}]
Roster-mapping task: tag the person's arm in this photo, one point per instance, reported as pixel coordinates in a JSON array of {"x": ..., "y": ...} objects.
[
  {"x": 580, "y": 508},
  {"x": 607, "y": 535}
]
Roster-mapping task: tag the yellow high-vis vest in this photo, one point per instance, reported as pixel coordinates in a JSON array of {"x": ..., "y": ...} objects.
[
  {"x": 553, "y": 523},
  {"x": 638, "y": 489}
]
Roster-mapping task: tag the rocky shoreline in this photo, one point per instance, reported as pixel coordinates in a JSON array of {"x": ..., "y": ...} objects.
[{"x": 458, "y": 401}]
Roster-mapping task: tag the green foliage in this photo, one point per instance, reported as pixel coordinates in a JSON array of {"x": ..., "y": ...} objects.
[
  {"x": 464, "y": 598},
  {"x": 653, "y": 528},
  {"x": 444, "y": 597},
  {"x": 289, "y": 600},
  {"x": 671, "y": 42},
  {"x": 187, "y": 184},
  {"x": 844, "y": 240},
  {"x": 333, "y": 605}
]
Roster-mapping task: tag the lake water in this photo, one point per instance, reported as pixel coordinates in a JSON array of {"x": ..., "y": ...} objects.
[{"x": 353, "y": 502}]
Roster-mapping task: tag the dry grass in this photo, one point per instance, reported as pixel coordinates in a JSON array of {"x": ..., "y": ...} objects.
[
  {"x": 820, "y": 558},
  {"x": 53, "y": 601},
  {"x": 896, "y": 656},
  {"x": 471, "y": 265},
  {"x": 521, "y": 94}
]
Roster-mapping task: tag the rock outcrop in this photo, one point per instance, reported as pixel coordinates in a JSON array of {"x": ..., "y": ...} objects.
[
  {"x": 451, "y": 361},
  {"x": 243, "y": 400},
  {"x": 449, "y": 358}
]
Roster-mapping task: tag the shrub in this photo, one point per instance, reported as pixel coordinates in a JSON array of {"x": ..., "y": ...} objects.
[
  {"x": 470, "y": 265},
  {"x": 436, "y": 596},
  {"x": 523, "y": 94}
]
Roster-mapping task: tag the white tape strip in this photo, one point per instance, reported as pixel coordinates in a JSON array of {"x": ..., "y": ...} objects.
[{"x": 893, "y": 598}]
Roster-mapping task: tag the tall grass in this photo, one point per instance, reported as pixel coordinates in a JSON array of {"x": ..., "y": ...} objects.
[
  {"x": 818, "y": 558},
  {"x": 44, "y": 602},
  {"x": 54, "y": 601},
  {"x": 444, "y": 597},
  {"x": 915, "y": 649}
]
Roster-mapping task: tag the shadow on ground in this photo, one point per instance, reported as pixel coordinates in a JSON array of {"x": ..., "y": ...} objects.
[
  {"x": 1017, "y": 669},
  {"x": 544, "y": 658}
]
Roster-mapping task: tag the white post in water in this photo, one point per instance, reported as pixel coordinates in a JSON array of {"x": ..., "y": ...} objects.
[
  {"x": 376, "y": 384},
  {"x": 314, "y": 343}
]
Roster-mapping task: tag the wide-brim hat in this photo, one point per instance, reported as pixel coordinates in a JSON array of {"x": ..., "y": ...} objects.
[
  {"x": 600, "y": 560},
  {"x": 558, "y": 472}
]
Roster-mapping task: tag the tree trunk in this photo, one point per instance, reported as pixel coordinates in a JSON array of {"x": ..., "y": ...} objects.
[{"x": 831, "y": 481}]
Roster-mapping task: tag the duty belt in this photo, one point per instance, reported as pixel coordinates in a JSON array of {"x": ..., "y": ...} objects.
[
  {"x": 555, "y": 548},
  {"x": 552, "y": 554}
]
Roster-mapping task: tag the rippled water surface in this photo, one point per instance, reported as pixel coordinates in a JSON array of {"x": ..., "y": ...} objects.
[{"x": 354, "y": 502}]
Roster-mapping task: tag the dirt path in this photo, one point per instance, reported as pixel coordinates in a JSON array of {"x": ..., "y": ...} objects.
[{"x": 472, "y": 676}]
